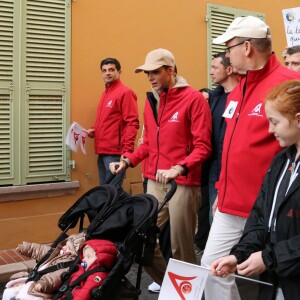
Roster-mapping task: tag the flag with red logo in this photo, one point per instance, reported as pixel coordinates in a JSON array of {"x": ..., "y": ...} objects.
[
  {"x": 183, "y": 281},
  {"x": 76, "y": 137}
]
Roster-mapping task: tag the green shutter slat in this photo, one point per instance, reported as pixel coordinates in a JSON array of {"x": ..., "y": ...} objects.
[
  {"x": 45, "y": 29},
  {"x": 7, "y": 16},
  {"x": 47, "y": 74},
  {"x": 5, "y": 137},
  {"x": 7, "y": 35},
  {"x": 45, "y": 131}
]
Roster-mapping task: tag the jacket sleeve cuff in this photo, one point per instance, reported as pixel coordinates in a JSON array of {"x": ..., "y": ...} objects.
[
  {"x": 240, "y": 257},
  {"x": 268, "y": 258},
  {"x": 130, "y": 156},
  {"x": 186, "y": 169}
]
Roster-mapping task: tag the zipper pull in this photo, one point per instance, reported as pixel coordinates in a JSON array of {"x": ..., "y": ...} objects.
[
  {"x": 293, "y": 166},
  {"x": 274, "y": 229}
]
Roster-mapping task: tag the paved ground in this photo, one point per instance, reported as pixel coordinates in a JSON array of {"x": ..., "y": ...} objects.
[{"x": 248, "y": 290}]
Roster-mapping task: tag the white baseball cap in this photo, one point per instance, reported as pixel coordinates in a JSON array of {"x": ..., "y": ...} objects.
[{"x": 248, "y": 27}]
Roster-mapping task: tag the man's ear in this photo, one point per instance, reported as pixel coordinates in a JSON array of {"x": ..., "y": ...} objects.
[
  {"x": 171, "y": 70},
  {"x": 297, "y": 117},
  {"x": 229, "y": 70},
  {"x": 248, "y": 48}
]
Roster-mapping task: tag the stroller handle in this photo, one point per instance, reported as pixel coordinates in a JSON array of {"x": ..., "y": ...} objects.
[
  {"x": 172, "y": 190},
  {"x": 169, "y": 195}
]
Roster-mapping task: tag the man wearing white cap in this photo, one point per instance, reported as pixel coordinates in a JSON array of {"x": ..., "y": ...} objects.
[
  {"x": 248, "y": 146},
  {"x": 177, "y": 135}
]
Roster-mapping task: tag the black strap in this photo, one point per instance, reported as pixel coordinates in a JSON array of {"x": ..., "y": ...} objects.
[
  {"x": 87, "y": 274},
  {"x": 66, "y": 288},
  {"x": 34, "y": 272},
  {"x": 61, "y": 265},
  {"x": 35, "y": 275}
]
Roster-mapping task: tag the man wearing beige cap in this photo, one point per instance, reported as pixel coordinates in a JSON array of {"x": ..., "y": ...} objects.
[
  {"x": 248, "y": 147},
  {"x": 177, "y": 135}
]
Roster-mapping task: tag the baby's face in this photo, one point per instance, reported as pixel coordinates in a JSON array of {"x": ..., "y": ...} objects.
[
  {"x": 89, "y": 255},
  {"x": 66, "y": 248}
]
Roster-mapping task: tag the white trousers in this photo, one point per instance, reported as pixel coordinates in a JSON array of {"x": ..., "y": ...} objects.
[{"x": 225, "y": 232}]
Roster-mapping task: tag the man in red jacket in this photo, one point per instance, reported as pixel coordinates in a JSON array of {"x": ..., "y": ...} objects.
[
  {"x": 248, "y": 147},
  {"x": 116, "y": 123},
  {"x": 177, "y": 135}
]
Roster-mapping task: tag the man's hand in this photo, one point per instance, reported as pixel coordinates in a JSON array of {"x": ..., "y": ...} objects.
[
  {"x": 205, "y": 95},
  {"x": 117, "y": 167},
  {"x": 90, "y": 132},
  {"x": 224, "y": 266},
  {"x": 164, "y": 176},
  {"x": 254, "y": 265}
]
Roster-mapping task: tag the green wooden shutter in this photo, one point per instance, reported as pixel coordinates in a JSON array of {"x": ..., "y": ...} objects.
[
  {"x": 46, "y": 104},
  {"x": 8, "y": 159},
  {"x": 34, "y": 90},
  {"x": 218, "y": 19}
]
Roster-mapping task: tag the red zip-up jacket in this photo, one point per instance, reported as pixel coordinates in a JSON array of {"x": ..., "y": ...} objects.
[
  {"x": 117, "y": 120},
  {"x": 248, "y": 147},
  {"x": 180, "y": 135}
]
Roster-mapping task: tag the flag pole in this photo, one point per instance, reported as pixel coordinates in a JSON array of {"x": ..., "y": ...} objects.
[{"x": 242, "y": 277}]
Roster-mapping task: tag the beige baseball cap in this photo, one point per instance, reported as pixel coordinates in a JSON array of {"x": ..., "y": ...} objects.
[
  {"x": 156, "y": 59},
  {"x": 248, "y": 27}
]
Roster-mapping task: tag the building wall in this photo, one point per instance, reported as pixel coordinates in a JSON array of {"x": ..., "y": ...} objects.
[{"x": 126, "y": 30}]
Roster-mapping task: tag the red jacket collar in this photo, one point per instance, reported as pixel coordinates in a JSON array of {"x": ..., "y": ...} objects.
[
  {"x": 271, "y": 64},
  {"x": 114, "y": 85}
]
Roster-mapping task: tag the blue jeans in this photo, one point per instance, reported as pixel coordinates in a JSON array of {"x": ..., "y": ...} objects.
[
  {"x": 212, "y": 191},
  {"x": 104, "y": 171}
]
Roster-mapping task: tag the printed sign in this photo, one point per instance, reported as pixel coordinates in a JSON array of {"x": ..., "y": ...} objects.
[{"x": 291, "y": 19}]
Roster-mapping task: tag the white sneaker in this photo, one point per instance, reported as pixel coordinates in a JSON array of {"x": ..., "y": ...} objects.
[{"x": 154, "y": 287}]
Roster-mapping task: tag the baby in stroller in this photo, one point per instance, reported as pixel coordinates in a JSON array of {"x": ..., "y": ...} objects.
[
  {"x": 56, "y": 262},
  {"x": 97, "y": 259}
]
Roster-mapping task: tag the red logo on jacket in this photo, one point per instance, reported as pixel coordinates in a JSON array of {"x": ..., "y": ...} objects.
[{"x": 293, "y": 213}]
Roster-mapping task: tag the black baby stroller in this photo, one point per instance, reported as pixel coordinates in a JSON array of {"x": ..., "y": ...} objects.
[
  {"x": 129, "y": 222},
  {"x": 81, "y": 213}
]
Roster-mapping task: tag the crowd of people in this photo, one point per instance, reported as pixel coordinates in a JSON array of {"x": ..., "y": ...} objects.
[
  {"x": 218, "y": 146},
  {"x": 233, "y": 152}
]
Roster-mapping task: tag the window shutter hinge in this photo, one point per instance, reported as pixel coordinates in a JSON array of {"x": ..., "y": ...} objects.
[
  {"x": 72, "y": 164},
  {"x": 206, "y": 18}
]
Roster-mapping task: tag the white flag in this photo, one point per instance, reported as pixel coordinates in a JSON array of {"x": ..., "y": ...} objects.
[
  {"x": 76, "y": 136},
  {"x": 183, "y": 281}
]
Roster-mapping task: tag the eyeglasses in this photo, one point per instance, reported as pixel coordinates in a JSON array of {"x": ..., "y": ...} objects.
[{"x": 227, "y": 50}]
